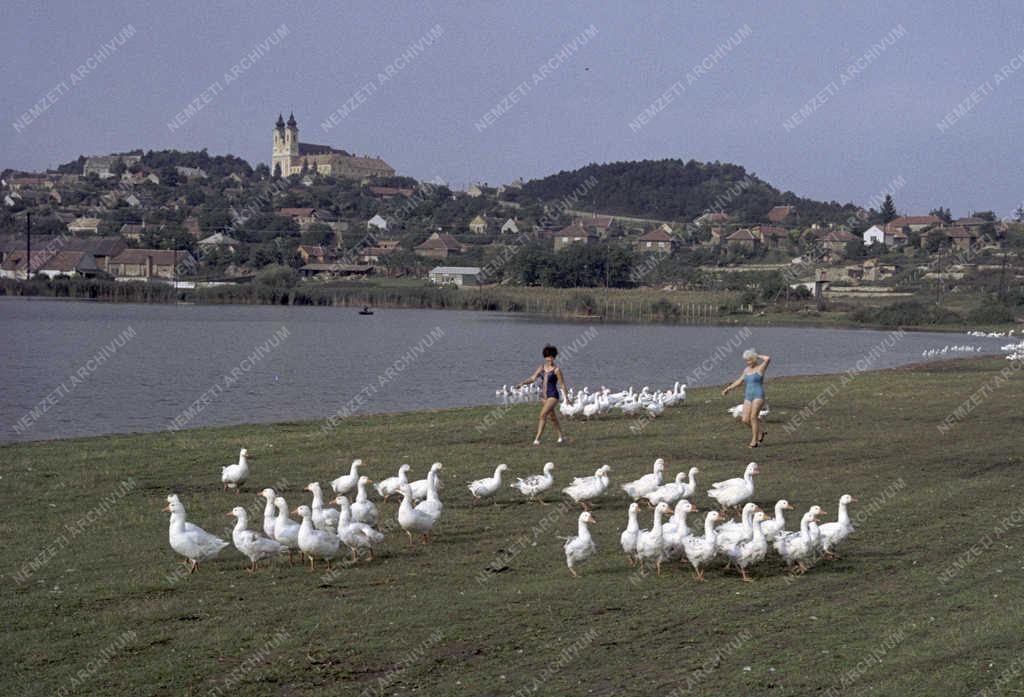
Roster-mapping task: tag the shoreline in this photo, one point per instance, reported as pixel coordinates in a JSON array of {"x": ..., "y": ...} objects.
[
  {"x": 949, "y": 363},
  {"x": 786, "y": 320}
]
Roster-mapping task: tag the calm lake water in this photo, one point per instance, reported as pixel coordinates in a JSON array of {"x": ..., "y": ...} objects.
[{"x": 80, "y": 369}]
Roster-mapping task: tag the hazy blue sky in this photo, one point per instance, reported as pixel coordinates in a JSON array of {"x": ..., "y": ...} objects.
[{"x": 879, "y": 124}]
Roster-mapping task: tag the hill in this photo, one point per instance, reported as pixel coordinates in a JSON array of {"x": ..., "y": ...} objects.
[{"x": 676, "y": 190}]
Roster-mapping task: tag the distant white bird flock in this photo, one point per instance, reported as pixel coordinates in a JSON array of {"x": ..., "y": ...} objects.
[
  {"x": 929, "y": 353},
  {"x": 589, "y": 404},
  {"x": 323, "y": 533}
]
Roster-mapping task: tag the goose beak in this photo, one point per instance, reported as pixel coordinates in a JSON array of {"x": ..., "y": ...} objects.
[
  {"x": 853, "y": 499},
  {"x": 229, "y": 514},
  {"x": 167, "y": 508},
  {"x": 790, "y": 507},
  {"x": 669, "y": 511},
  {"x": 295, "y": 512}
]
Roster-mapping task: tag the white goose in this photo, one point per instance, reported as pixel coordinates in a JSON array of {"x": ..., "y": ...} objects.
[
  {"x": 323, "y": 518},
  {"x": 580, "y": 548},
  {"x": 773, "y": 526},
  {"x": 647, "y": 483},
  {"x": 193, "y": 543},
  {"x": 347, "y": 482},
  {"x": 584, "y": 489},
  {"x": 733, "y": 492},
  {"x": 269, "y": 512},
  {"x": 419, "y": 487},
  {"x": 676, "y": 530},
  {"x": 701, "y": 550},
  {"x": 250, "y": 543},
  {"x": 354, "y": 535},
  {"x": 650, "y": 544},
  {"x": 628, "y": 537},
  {"x": 488, "y": 486},
  {"x": 833, "y": 534},
  {"x": 392, "y": 485},
  {"x": 797, "y": 547},
  {"x": 286, "y": 530},
  {"x": 432, "y": 504},
  {"x": 363, "y": 509},
  {"x": 731, "y": 533},
  {"x": 536, "y": 483},
  {"x": 750, "y": 551},
  {"x": 316, "y": 544},
  {"x": 671, "y": 492},
  {"x": 234, "y": 476},
  {"x": 411, "y": 520}
]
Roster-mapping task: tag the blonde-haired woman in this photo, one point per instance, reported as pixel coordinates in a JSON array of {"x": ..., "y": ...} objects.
[{"x": 753, "y": 396}]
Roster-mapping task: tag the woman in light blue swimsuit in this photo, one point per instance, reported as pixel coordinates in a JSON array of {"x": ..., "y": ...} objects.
[{"x": 753, "y": 397}]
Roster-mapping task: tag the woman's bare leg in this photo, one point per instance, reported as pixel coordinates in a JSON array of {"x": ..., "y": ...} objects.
[
  {"x": 553, "y": 415},
  {"x": 549, "y": 404},
  {"x": 755, "y": 421}
]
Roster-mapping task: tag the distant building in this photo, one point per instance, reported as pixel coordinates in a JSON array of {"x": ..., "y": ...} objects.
[
  {"x": 377, "y": 222},
  {"x": 743, "y": 239},
  {"x": 312, "y": 254},
  {"x": 914, "y": 223},
  {"x": 837, "y": 240},
  {"x": 711, "y": 218},
  {"x": 960, "y": 237},
  {"x": 771, "y": 236},
  {"x": 292, "y": 157},
  {"x": 85, "y": 226},
  {"x": 656, "y": 241},
  {"x": 601, "y": 225},
  {"x": 478, "y": 225},
  {"x": 455, "y": 275},
  {"x": 438, "y": 246},
  {"x": 302, "y": 216},
  {"x": 573, "y": 234},
  {"x": 217, "y": 240},
  {"x": 510, "y": 227},
  {"x": 782, "y": 214},
  {"x": 151, "y": 263},
  {"x": 103, "y": 165}
]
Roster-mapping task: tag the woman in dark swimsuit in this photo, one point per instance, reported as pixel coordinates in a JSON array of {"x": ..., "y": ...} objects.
[{"x": 553, "y": 378}]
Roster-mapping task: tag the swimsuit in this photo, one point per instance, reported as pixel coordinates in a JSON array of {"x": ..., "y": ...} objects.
[
  {"x": 755, "y": 386},
  {"x": 550, "y": 385}
]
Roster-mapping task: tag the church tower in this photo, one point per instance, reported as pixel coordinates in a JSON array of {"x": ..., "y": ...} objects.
[{"x": 286, "y": 145}]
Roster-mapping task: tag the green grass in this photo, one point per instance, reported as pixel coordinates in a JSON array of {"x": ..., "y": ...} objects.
[{"x": 286, "y": 631}]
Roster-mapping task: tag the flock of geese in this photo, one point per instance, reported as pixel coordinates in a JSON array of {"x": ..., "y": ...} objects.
[
  {"x": 603, "y": 400},
  {"x": 739, "y": 544},
  {"x": 929, "y": 353},
  {"x": 325, "y": 533}
]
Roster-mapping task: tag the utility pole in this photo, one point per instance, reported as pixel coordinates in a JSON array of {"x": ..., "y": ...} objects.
[{"x": 28, "y": 246}]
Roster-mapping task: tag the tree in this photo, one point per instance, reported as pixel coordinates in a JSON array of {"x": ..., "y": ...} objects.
[
  {"x": 934, "y": 240},
  {"x": 317, "y": 234},
  {"x": 1018, "y": 214},
  {"x": 119, "y": 168},
  {"x": 888, "y": 210},
  {"x": 277, "y": 170},
  {"x": 942, "y": 213}
]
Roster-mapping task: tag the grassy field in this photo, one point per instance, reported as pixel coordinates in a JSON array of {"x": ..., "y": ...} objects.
[{"x": 925, "y": 600}]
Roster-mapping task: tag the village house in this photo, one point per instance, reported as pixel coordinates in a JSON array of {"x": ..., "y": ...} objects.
[
  {"x": 302, "y": 216},
  {"x": 438, "y": 246},
  {"x": 772, "y": 236},
  {"x": 710, "y": 218},
  {"x": 312, "y": 254},
  {"x": 573, "y": 234},
  {"x": 69, "y": 263},
  {"x": 510, "y": 227},
  {"x": 837, "y": 240},
  {"x": 961, "y": 238},
  {"x": 373, "y": 255},
  {"x": 377, "y": 222},
  {"x": 742, "y": 239},
  {"x": 478, "y": 225},
  {"x": 133, "y": 231},
  {"x": 103, "y": 165},
  {"x": 655, "y": 241},
  {"x": 455, "y": 275},
  {"x": 145, "y": 264},
  {"x": 601, "y": 225},
  {"x": 85, "y": 226},
  {"x": 913, "y": 223},
  {"x": 782, "y": 214},
  {"x": 388, "y": 192},
  {"x": 219, "y": 240}
]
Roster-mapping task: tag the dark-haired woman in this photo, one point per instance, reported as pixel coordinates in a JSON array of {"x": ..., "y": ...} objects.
[{"x": 553, "y": 379}]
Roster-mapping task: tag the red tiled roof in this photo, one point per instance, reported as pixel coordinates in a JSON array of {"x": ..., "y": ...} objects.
[
  {"x": 297, "y": 212},
  {"x": 771, "y": 231},
  {"x": 959, "y": 232},
  {"x": 440, "y": 240},
  {"x": 741, "y": 236},
  {"x": 839, "y": 236},
  {"x": 161, "y": 257},
  {"x": 780, "y": 213},
  {"x": 915, "y": 220},
  {"x": 656, "y": 235}
]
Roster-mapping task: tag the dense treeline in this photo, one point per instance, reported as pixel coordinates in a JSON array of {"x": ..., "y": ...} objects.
[{"x": 677, "y": 190}]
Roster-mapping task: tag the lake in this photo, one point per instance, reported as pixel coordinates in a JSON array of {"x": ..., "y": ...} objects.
[{"x": 82, "y": 369}]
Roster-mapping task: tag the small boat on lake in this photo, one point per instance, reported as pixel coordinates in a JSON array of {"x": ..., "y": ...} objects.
[{"x": 366, "y": 311}]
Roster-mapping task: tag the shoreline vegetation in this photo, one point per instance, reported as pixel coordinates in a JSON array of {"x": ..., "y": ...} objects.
[
  {"x": 641, "y": 305},
  {"x": 90, "y": 534}
]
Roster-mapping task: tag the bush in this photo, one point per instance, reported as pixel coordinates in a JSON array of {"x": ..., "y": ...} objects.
[
  {"x": 990, "y": 313},
  {"x": 907, "y": 314}
]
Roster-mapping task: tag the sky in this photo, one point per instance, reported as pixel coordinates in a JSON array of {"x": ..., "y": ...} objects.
[{"x": 920, "y": 98}]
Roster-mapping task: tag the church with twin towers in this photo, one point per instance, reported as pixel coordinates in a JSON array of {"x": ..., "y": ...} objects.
[{"x": 294, "y": 157}]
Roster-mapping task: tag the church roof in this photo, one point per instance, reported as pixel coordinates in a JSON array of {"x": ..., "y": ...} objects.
[
  {"x": 291, "y": 121},
  {"x": 314, "y": 149},
  {"x": 280, "y": 121}
]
